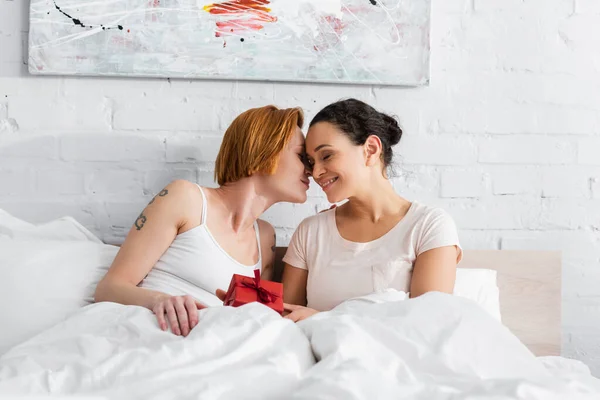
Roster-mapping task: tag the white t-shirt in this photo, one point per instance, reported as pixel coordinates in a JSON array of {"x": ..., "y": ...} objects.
[{"x": 339, "y": 269}]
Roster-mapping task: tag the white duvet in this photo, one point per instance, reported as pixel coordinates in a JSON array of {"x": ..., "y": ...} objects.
[
  {"x": 381, "y": 347},
  {"x": 119, "y": 352}
]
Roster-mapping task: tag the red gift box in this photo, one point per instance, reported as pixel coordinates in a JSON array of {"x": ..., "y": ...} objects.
[{"x": 244, "y": 289}]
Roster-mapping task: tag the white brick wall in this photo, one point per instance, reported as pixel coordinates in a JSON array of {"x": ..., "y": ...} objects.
[
  {"x": 58, "y": 182},
  {"x": 111, "y": 147},
  {"x": 590, "y": 7},
  {"x": 589, "y": 151},
  {"x": 527, "y": 149},
  {"x": 564, "y": 182},
  {"x": 595, "y": 184},
  {"x": 506, "y": 138},
  {"x": 193, "y": 148},
  {"x": 513, "y": 180},
  {"x": 462, "y": 184}
]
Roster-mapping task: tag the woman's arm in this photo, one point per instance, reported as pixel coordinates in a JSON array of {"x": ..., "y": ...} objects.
[
  {"x": 151, "y": 234},
  {"x": 294, "y": 294},
  {"x": 267, "y": 248},
  {"x": 294, "y": 285},
  {"x": 434, "y": 270}
]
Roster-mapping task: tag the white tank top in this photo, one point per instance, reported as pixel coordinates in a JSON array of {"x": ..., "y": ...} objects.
[{"x": 197, "y": 265}]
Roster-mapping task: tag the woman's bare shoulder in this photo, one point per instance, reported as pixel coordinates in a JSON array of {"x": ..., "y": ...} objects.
[
  {"x": 182, "y": 198},
  {"x": 182, "y": 187}
]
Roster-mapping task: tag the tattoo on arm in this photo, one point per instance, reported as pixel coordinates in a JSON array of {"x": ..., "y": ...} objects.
[
  {"x": 140, "y": 221},
  {"x": 162, "y": 193}
]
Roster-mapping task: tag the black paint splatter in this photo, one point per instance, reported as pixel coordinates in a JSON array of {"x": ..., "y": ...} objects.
[
  {"x": 78, "y": 22},
  {"x": 373, "y": 2},
  {"x": 242, "y": 39}
]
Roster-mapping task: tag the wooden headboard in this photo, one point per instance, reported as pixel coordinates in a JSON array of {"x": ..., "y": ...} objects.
[{"x": 530, "y": 293}]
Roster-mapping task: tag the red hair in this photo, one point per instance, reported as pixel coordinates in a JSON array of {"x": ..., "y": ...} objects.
[{"x": 253, "y": 141}]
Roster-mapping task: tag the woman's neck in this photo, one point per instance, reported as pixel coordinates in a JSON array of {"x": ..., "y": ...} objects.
[
  {"x": 245, "y": 202},
  {"x": 378, "y": 201}
]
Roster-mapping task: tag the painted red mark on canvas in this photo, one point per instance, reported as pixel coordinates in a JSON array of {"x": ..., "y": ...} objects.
[
  {"x": 154, "y": 4},
  {"x": 236, "y": 26},
  {"x": 329, "y": 37},
  {"x": 238, "y": 7},
  {"x": 336, "y": 24},
  {"x": 240, "y": 16}
]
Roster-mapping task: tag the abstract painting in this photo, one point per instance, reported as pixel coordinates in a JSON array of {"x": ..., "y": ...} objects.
[{"x": 342, "y": 41}]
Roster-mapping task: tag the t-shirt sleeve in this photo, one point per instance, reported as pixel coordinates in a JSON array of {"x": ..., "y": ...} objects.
[
  {"x": 296, "y": 251},
  {"x": 439, "y": 230}
]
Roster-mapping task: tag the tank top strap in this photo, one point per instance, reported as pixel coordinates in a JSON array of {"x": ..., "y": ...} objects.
[
  {"x": 204, "y": 206},
  {"x": 259, "y": 264}
]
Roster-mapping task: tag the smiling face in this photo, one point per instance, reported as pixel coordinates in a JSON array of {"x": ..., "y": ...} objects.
[
  {"x": 338, "y": 165},
  {"x": 290, "y": 180}
]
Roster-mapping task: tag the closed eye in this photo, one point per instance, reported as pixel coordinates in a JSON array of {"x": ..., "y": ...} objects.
[{"x": 305, "y": 160}]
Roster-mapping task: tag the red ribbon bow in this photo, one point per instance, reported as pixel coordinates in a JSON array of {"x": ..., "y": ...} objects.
[{"x": 264, "y": 295}]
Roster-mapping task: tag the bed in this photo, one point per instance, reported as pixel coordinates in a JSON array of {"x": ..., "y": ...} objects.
[
  {"x": 530, "y": 292},
  {"x": 436, "y": 346}
]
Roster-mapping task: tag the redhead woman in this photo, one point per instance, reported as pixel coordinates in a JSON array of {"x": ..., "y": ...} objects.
[{"x": 190, "y": 240}]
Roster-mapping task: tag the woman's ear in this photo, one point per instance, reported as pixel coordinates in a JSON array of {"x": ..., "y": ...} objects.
[{"x": 373, "y": 149}]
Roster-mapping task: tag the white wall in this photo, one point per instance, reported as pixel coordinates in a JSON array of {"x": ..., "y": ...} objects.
[{"x": 505, "y": 137}]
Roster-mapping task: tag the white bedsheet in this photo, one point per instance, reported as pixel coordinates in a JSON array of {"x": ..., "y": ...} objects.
[
  {"x": 382, "y": 347},
  {"x": 433, "y": 347},
  {"x": 119, "y": 352}
]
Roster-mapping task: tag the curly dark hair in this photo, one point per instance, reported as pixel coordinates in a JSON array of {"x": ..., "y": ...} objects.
[{"x": 358, "y": 121}]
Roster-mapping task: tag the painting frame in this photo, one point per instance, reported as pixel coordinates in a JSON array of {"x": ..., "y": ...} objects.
[{"x": 65, "y": 41}]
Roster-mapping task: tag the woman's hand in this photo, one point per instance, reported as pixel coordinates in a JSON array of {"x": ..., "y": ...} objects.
[
  {"x": 295, "y": 313},
  {"x": 221, "y": 294},
  {"x": 298, "y": 313},
  {"x": 181, "y": 312}
]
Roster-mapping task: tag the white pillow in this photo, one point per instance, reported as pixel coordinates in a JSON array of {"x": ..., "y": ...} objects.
[
  {"x": 42, "y": 282},
  {"x": 479, "y": 285},
  {"x": 65, "y": 228},
  {"x": 47, "y": 272}
]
